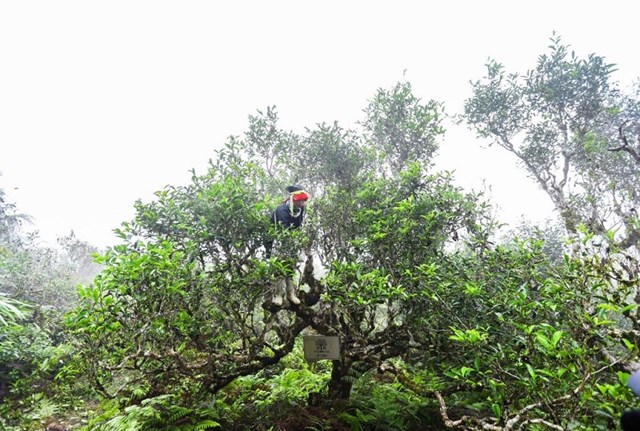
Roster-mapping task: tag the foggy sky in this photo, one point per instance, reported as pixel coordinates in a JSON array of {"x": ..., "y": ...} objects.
[{"x": 103, "y": 103}]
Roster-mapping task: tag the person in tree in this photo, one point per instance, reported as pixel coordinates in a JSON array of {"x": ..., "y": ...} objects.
[
  {"x": 630, "y": 419},
  {"x": 288, "y": 215}
]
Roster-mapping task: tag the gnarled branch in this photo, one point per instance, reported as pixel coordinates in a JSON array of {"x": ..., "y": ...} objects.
[{"x": 625, "y": 144}]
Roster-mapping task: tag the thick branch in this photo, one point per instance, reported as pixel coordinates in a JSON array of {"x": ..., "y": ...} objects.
[{"x": 625, "y": 144}]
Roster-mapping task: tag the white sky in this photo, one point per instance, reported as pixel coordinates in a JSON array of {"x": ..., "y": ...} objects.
[{"x": 105, "y": 102}]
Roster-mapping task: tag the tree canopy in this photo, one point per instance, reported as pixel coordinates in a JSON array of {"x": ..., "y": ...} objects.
[
  {"x": 397, "y": 261},
  {"x": 443, "y": 323}
]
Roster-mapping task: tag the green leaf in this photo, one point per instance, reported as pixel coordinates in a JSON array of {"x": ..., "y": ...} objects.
[
  {"x": 497, "y": 411},
  {"x": 543, "y": 341},
  {"x": 555, "y": 339},
  {"x": 465, "y": 371},
  {"x": 628, "y": 344},
  {"x": 532, "y": 372}
]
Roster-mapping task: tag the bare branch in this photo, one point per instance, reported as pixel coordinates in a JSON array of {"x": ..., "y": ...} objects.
[
  {"x": 461, "y": 422},
  {"x": 625, "y": 144},
  {"x": 542, "y": 422}
]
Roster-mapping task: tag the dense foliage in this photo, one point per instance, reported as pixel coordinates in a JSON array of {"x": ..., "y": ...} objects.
[
  {"x": 37, "y": 285},
  {"x": 441, "y": 324}
]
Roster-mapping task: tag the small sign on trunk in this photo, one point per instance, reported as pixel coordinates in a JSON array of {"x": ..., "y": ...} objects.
[{"x": 319, "y": 347}]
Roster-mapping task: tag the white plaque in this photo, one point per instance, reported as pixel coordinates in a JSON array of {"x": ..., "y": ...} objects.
[{"x": 318, "y": 347}]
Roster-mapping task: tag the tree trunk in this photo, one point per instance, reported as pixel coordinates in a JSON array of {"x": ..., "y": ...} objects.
[{"x": 340, "y": 383}]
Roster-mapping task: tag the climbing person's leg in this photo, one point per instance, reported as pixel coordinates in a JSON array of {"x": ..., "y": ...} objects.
[
  {"x": 279, "y": 288},
  {"x": 291, "y": 292}
]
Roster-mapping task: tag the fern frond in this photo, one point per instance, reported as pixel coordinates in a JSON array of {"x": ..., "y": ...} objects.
[
  {"x": 206, "y": 424},
  {"x": 178, "y": 413}
]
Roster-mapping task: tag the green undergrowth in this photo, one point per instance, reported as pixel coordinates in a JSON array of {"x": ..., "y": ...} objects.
[{"x": 290, "y": 396}]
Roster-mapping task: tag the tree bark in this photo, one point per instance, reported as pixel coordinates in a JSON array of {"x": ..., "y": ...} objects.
[{"x": 340, "y": 383}]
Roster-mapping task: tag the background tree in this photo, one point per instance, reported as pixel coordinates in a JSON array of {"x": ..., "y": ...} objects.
[
  {"x": 561, "y": 120},
  {"x": 572, "y": 129},
  {"x": 10, "y": 220},
  {"x": 402, "y": 128},
  {"x": 37, "y": 286}
]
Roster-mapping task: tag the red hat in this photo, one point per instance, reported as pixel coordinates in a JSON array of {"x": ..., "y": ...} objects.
[{"x": 299, "y": 195}]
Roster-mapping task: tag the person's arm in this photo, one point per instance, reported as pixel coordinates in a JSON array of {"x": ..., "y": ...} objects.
[{"x": 283, "y": 217}]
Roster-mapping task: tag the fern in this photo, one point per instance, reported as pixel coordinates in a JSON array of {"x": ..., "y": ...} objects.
[
  {"x": 160, "y": 414},
  {"x": 358, "y": 421},
  {"x": 205, "y": 425},
  {"x": 45, "y": 409},
  {"x": 177, "y": 414},
  {"x": 385, "y": 406},
  {"x": 352, "y": 375}
]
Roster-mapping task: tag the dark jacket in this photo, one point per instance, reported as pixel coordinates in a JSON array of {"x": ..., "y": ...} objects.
[{"x": 282, "y": 216}]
